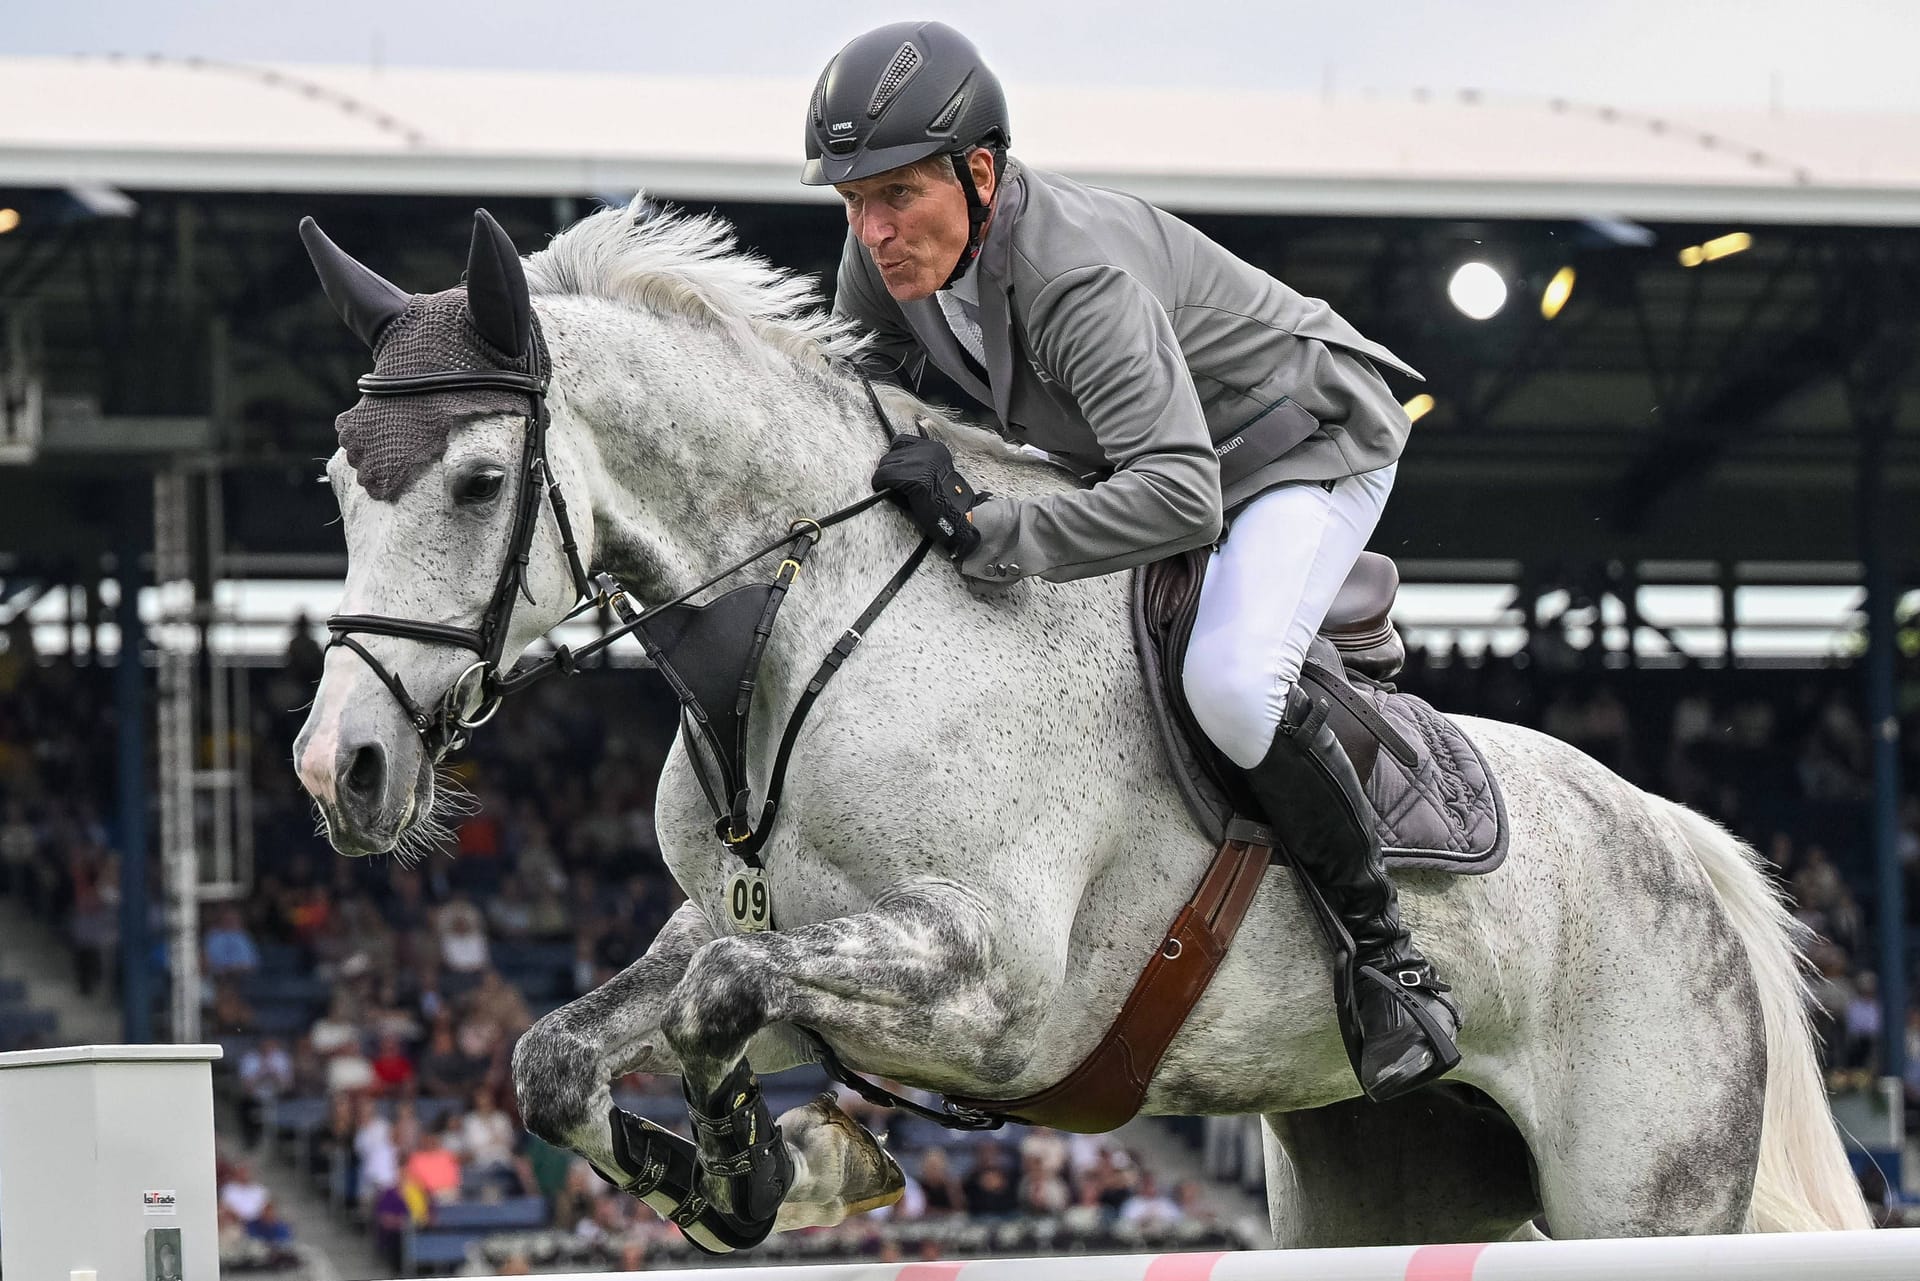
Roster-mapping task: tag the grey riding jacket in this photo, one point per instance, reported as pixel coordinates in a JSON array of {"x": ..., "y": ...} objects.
[{"x": 1132, "y": 348}]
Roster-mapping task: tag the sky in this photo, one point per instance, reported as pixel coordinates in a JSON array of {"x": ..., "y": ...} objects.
[{"x": 1747, "y": 54}]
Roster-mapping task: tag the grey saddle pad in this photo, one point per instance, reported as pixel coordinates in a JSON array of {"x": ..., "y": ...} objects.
[{"x": 1444, "y": 814}]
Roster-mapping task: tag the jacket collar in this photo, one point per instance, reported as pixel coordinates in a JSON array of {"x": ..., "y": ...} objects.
[
  {"x": 996, "y": 255},
  {"x": 995, "y": 269}
]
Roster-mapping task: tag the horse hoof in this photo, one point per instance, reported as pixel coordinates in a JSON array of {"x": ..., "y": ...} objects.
[
  {"x": 874, "y": 1178},
  {"x": 850, "y": 1172},
  {"x": 885, "y": 1196}
]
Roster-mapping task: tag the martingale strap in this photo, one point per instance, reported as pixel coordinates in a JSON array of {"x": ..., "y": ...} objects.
[
  {"x": 729, "y": 795},
  {"x": 719, "y": 757},
  {"x": 747, "y": 844}
]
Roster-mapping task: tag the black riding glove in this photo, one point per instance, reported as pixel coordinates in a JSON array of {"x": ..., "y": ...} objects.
[{"x": 918, "y": 474}]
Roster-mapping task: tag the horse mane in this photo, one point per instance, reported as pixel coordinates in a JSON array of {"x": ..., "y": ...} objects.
[
  {"x": 690, "y": 265},
  {"x": 684, "y": 264}
]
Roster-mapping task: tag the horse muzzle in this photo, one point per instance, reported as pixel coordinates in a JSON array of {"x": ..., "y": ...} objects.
[{"x": 366, "y": 791}]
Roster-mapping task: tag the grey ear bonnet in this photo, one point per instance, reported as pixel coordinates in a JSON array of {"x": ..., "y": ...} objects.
[{"x": 389, "y": 440}]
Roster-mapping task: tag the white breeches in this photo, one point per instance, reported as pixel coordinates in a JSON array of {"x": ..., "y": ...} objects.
[{"x": 1268, "y": 588}]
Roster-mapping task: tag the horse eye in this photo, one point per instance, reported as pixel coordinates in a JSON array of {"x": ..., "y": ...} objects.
[{"x": 481, "y": 486}]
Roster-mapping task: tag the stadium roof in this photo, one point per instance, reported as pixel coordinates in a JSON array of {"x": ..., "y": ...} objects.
[{"x": 154, "y": 123}]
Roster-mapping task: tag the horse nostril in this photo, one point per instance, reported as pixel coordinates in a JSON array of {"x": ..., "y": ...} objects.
[{"x": 366, "y": 773}]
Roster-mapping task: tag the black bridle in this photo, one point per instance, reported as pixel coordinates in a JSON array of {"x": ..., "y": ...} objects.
[
  {"x": 446, "y": 726},
  {"x": 476, "y": 694}
]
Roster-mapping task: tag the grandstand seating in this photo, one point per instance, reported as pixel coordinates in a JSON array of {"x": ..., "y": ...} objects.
[{"x": 453, "y": 1229}]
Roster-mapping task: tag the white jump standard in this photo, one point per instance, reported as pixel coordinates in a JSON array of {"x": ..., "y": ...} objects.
[{"x": 106, "y": 1163}]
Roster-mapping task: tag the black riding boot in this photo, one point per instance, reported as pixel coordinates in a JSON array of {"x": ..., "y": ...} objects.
[{"x": 1319, "y": 810}]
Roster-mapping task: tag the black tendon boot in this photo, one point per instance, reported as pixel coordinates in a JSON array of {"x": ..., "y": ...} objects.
[
  {"x": 1320, "y": 812},
  {"x": 662, "y": 1169},
  {"x": 745, "y": 1160}
]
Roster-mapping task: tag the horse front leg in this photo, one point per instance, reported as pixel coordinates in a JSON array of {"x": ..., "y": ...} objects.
[
  {"x": 565, "y": 1064},
  {"x": 909, "y": 979},
  {"x": 563, "y": 1071}
]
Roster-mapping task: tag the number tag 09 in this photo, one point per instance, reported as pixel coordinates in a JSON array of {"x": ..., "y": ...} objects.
[{"x": 748, "y": 905}]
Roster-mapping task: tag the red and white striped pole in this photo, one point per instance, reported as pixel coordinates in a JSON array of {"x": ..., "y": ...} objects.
[{"x": 1808, "y": 1256}]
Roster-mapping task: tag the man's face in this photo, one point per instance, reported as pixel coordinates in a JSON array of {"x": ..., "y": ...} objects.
[{"x": 913, "y": 221}]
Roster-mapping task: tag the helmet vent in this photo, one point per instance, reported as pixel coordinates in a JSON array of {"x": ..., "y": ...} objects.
[
  {"x": 943, "y": 122},
  {"x": 898, "y": 72},
  {"x": 819, "y": 98}
]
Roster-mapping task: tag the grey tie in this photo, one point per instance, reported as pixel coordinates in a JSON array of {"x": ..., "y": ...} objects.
[{"x": 963, "y": 318}]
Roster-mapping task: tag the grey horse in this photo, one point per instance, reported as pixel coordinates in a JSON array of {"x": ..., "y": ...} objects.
[{"x": 981, "y": 842}]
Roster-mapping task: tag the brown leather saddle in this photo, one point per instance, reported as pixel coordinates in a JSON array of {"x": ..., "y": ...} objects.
[{"x": 1436, "y": 804}]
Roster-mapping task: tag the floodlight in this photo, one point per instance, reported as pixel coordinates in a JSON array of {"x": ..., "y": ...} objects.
[
  {"x": 1558, "y": 290},
  {"x": 1477, "y": 290},
  {"x": 1726, "y": 246}
]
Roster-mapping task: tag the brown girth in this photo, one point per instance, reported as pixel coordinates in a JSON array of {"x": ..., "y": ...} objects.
[{"x": 1110, "y": 1084}]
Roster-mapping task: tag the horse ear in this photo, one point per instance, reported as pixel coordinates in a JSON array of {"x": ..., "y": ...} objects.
[
  {"x": 364, "y": 299},
  {"x": 497, "y": 288}
]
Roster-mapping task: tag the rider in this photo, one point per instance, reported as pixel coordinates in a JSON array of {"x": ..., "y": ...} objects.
[{"x": 1125, "y": 343}]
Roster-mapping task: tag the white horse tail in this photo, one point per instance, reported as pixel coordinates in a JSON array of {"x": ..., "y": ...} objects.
[{"x": 1804, "y": 1183}]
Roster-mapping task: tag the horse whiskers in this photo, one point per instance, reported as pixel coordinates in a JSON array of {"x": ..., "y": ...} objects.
[
  {"x": 414, "y": 846},
  {"x": 433, "y": 832},
  {"x": 426, "y": 837},
  {"x": 451, "y": 797}
]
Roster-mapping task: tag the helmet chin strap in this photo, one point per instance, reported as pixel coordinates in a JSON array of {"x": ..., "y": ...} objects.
[{"x": 977, "y": 211}]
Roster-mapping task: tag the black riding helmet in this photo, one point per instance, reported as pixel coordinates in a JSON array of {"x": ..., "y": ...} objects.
[{"x": 901, "y": 93}]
